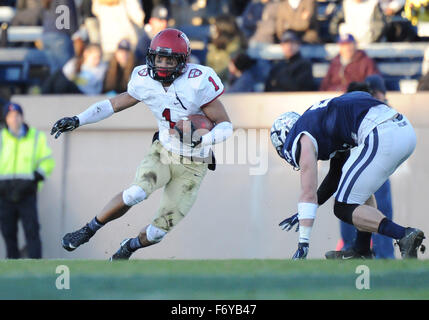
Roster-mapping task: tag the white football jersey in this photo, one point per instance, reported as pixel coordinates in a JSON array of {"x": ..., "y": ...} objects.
[{"x": 195, "y": 88}]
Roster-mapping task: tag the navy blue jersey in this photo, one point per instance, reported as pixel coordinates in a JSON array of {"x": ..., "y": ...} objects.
[{"x": 332, "y": 124}]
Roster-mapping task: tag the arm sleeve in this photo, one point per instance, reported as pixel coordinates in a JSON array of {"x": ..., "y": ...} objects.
[
  {"x": 219, "y": 133},
  {"x": 330, "y": 184}
]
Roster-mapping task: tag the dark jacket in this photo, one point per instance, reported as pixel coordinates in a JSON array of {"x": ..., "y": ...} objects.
[
  {"x": 252, "y": 79},
  {"x": 295, "y": 74},
  {"x": 51, "y": 18},
  {"x": 339, "y": 76}
]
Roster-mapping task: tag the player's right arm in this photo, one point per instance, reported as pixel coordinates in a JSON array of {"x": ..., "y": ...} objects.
[{"x": 95, "y": 113}]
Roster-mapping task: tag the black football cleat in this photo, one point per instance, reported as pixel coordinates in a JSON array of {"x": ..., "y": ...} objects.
[
  {"x": 409, "y": 244},
  {"x": 347, "y": 254},
  {"x": 124, "y": 252},
  {"x": 74, "y": 239}
]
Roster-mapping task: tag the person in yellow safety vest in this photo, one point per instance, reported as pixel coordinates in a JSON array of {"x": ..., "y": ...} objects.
[{"x": 25, "y": 161}]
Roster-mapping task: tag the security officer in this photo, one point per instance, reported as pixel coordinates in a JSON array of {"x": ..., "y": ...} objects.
[{"x": 25, "y": 161}]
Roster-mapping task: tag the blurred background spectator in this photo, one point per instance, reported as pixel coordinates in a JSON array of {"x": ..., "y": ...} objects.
[
  {"x": 246, "y": 74},
  {"x": 89, "y": 21},
  {"x": 83, "y": 75},
  {"x": 28, "y": 13},
  {"x": 294, "y": 72},
  {"x": 299, "y": 16},
  {"x": 119, "y": 71},
  {"x": 351, "y": 64},
  {"x": 416, "y": 11},
  {"x": 398, "y": 28},
  {"x": 57, "y": 32},
  {"x": 158, "y": 21},
  {"x": 227, "y": 39},
  {"x": 265, "y": 31},
  {"x": 364, "y": 19},
  {"x": 251, "y": 15},
  {"x": 80, "y": 40},
  {"x": 118, "y": 19}
]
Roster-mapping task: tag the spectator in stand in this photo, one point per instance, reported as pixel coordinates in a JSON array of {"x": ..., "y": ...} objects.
[
  {"x": 299, "y": 16},
  {"x": 121, "y": 66},
  {"x": 81, "y": 76},
  {"x": 252, "y": 14},
  {"x": 80, "y": 40},
  {"x": 89, "y": 21},
  {"x": 28, "y": 13},
  {"x": 57, "y": 32},
  {"x": 398, "y": 28},
  {"x": 364, "y": 19},
  {"x": 118, "y": 19},
  {"x": 227, "y": 39},
  {"x": 246, "y": 74},
  {"x": 351, "y": 64},
  {"x": 266, "y": 27},
  {"x": 392, "y": 7},
  {"x": 294, "y": 73},
  {"x": 158, "y": 21}
]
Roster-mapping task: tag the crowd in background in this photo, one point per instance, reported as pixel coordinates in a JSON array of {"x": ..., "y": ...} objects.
[{"x": 105, "y": 39}]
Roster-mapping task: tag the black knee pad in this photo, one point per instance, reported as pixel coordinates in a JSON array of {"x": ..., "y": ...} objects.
[{"x": 344, "y": 211}]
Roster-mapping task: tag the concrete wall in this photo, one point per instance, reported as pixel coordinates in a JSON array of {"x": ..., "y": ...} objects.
[{"x": 239, "y": 206}]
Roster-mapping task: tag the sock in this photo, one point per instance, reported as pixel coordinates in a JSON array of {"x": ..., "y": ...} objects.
[
  {"x": 94, "y": 224},
  {"x": 304, "y": 234},
  {"x": 362, "y": 242},
  {"x": 135, "y": 244},
  {"x": 389, "y": 228}
]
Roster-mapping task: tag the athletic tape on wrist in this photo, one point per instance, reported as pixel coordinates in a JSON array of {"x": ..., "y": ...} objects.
[
  {"x": 219, "y": 133},
  {"x": 307, "y": 210}
]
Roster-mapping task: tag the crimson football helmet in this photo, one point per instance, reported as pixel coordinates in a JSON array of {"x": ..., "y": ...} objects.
[{"x": 168, "y": 43}]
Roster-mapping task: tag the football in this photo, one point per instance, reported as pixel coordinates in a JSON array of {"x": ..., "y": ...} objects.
[{"x": 199, "y": 121}]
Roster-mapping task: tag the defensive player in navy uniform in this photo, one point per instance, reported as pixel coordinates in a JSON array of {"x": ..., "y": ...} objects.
[
  {"x": 173, "y": 89},
  {"x": 365, "y": 141}
]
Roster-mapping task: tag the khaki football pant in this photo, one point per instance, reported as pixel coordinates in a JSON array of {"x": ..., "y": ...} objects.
[{"x": 180, "y": 177}]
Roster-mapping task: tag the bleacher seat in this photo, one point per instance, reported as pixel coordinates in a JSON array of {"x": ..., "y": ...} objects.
[
  {"x": 396, "y": 61},
  {"x": 22, "y": 67}
]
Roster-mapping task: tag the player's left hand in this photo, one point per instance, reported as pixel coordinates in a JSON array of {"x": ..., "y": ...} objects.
[
  {"x": 189, "y": 135},
  {"x": 196, "y": 141},
  {"x": 64, "y": 125},
  {"x": 288, "y": 223},
  {"x": 301, "y": 252}
]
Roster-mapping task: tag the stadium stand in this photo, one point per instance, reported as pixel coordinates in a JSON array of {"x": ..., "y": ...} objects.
[
  {"x": 397, "y": 61},
  {"x": 22, "y": 67}
]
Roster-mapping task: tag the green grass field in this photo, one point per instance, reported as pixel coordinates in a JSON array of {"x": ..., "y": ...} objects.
[{"x": 214, "y": 279}]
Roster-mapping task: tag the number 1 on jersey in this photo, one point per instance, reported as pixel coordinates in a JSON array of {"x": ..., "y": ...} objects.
[
  {"x": 214, "y": 83},
  {"x": 167, "y": 116}
]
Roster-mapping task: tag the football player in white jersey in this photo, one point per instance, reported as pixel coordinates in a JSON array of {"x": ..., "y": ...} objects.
[{"x": 173, "y": 89}]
